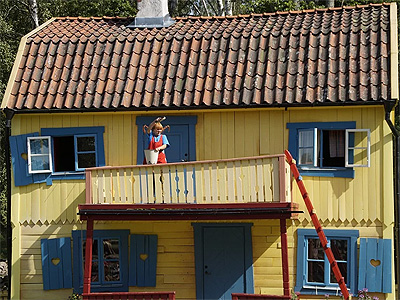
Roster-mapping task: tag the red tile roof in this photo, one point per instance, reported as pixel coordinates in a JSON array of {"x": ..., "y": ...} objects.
[{"x": 324, "y": 56}]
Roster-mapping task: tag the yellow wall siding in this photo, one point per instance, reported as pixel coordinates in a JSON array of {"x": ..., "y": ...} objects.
[
  {"x": 175, "y": 261},
  {"x": 225, "y": 134},
  {"x": 365, "y": 202}
]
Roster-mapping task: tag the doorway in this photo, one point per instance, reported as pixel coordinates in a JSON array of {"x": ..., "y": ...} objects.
[{"x": 223, "y": 260}]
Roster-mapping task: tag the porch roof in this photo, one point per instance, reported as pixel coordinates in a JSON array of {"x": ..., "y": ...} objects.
[
  {"x": 338, "y": 56},
  {"x": 234, "y": 211}
]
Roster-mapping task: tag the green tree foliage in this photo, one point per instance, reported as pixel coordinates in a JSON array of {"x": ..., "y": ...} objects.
[{"x": 213, "y": 7}]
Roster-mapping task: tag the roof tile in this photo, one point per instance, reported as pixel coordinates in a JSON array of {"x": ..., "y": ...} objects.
[{"x": 290, "y": 58}]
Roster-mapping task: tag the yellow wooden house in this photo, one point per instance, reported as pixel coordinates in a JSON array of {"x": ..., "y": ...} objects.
[{"x": 223, "y": 216}]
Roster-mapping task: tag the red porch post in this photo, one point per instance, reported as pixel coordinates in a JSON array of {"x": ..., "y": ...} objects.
[
  {"x": 88, "y": 256},
  {"x": 285, "y": 258}
]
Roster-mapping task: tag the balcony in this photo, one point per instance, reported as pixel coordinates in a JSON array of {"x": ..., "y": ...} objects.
[{"x": 261, "y": 179}]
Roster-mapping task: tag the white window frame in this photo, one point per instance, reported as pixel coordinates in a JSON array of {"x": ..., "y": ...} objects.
[
  {"x": 30, "y": 155},
  {"x": 348, "y": 148},
  {"x": 315, "y": 146}
]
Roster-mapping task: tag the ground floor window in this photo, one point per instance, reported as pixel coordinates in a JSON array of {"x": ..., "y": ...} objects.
[
  {"x": 109, "y": 260},
  {"x": 314, "y": 273}
]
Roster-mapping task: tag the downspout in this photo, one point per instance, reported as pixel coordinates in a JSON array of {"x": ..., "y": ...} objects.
[
  {"x": 9, "y": 113},
  {"x": 389, "y": 105}
]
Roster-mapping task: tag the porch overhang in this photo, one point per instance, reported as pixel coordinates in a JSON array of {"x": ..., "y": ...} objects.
[{"x": 237, "y": 211}]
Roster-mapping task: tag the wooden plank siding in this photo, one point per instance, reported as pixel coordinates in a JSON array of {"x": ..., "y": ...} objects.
[
  {"x": 175, "y": 258},
  {"x": 219, "y": 135},
  {"x": 362, "y": 203},
  {"x": 175, "y": 267}
]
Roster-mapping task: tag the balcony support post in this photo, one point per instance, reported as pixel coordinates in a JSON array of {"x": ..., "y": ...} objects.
[
  {"x": 285, "y": 258},
  {"x": 88, "y": 256}
]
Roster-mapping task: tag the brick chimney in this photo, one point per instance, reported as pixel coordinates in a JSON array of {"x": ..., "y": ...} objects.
[{"x": 152, "y": 13}]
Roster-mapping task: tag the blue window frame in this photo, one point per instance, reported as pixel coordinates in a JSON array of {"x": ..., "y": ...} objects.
[
  {"x": 319, "y": 148},
  {"x": 109, "y": 262},
  {"x": 314, "y": 274}
]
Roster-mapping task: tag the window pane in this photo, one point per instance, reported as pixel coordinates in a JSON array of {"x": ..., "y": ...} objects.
[
  {"x": 339, "y": 249},
  {"x": 39, "y": 163},
  {"x": 306, "y": 156},
  {"x": 315, "y": 271},
  {"x": 95, "y": 271},
  {"x": 111, "y": 249},
  {"x": 86, "y": 160},
  {"x": 95, "y": 249},
  {"x": 343, "y": 271},
  {"x": 315, "y": 250},
  {"x": 39, "y": 146},
  {"x": 86, "y": 143},
  {"x": 306, "y": 138},
  {"x": 111, "y": 271}
]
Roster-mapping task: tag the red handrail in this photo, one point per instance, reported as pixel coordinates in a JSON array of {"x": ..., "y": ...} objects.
[{"x": 317, "y": 225}]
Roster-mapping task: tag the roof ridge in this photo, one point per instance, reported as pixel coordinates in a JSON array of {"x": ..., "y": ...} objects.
[{"x": 240, "y": 16}]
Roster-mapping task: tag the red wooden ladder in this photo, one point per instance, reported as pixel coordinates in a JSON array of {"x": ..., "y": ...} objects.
[{"x": 317, "y": 225}]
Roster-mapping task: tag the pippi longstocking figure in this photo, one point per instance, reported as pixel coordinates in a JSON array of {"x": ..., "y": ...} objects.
[{"x": 156, "y": 140}]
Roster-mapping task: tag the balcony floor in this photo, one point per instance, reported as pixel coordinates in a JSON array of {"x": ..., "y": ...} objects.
[{"x": 272, "y": 210}]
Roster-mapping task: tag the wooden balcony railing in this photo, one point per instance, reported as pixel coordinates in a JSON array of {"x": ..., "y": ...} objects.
[{"x": 241, "y": 180}]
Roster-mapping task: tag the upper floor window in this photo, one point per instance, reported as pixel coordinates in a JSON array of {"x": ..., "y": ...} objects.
[
  {"x": 58, "y": 153},
  {"x": 314, "y": 273},
  {"x": 329, "y": 149},
  {"x": 69, "y": 153}
]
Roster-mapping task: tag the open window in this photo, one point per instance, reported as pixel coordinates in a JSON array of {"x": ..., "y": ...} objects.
[
  {"x": 329, "y": 149},
  {"x": 58, "y": 153}
]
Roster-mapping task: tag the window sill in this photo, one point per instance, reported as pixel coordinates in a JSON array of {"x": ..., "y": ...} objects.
[
  {"x": 48, "y": 178},
  {"x": 327, "y": 172},
  {"x": 318, "y": 290}
]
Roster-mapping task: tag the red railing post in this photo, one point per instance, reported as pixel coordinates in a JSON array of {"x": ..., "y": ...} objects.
[
  {"x": 88, "y": 256},
  {"x": 317, "y": 225},
  {"x": 88, "y": 186},
  {"x": 282, "y": 179},
  {"x": 285, "y": 258}
]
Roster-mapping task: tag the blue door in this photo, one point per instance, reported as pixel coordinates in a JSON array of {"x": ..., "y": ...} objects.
[
  {"x": 223, "y": 260},
  {"x": 181, "y": 138},
  {"x": 178, "y": 138}
]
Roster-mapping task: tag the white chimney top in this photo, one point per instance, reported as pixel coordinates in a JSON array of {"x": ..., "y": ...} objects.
[{"x": 152, "y": 13}]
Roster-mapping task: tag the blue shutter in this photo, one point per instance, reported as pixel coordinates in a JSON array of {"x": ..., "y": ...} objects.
[
  {"x": 19, "y": 147},
  {"x": 375, "y": 278},
  {"x": 56, "y": 263},
  {"x": 143, "y": 260}
]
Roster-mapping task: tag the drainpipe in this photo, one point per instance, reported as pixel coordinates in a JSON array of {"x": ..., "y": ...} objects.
[
  {"x": 389, "y": 105},
  {"x": 9, "y": 115}
]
